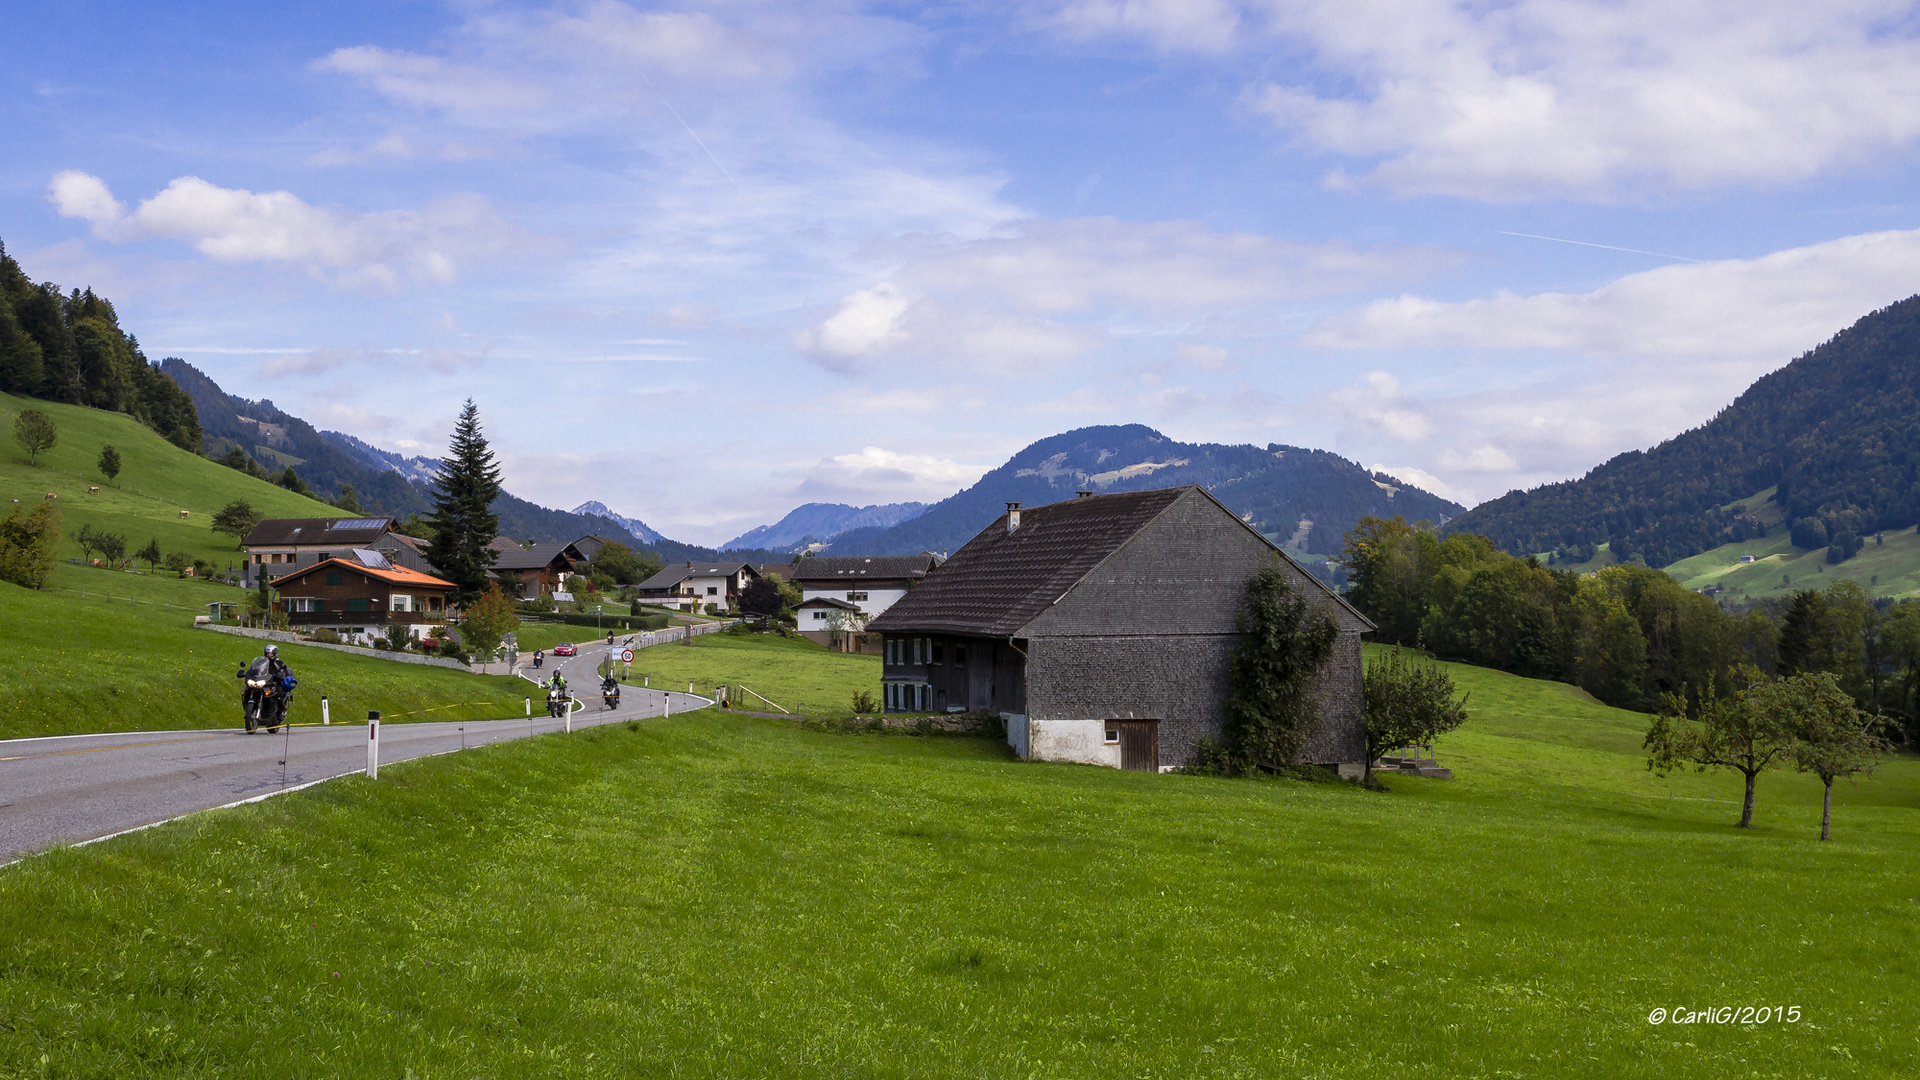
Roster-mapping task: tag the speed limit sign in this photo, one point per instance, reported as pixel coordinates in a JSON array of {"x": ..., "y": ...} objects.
[{"x": 626, "y": 656}]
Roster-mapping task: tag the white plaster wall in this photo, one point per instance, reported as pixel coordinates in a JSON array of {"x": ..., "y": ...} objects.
[
  {"x": 1082, "y": 741},
  {"x": 877, "y": 601}
]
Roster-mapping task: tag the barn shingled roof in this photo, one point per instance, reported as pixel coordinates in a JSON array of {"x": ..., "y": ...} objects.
[{"x": 1000, "y": 581}]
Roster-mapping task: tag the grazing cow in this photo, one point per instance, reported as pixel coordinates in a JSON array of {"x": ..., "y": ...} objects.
[
  {"x": 51, "y": 495},
  {"x": 93, "y": 491},
  {"x": 183, "y": 513}
]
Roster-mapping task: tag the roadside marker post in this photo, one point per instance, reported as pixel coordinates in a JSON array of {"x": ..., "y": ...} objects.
[
  {"x": 325, "y": 717},
  {"x": 373, "y": 745},
  {"x": 529, "y": 706}
]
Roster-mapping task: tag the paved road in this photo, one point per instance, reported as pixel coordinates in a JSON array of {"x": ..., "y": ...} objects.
[{"x": 81, "y": 787}]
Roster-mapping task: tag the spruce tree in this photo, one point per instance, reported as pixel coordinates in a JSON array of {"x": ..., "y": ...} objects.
[{"x": 463, "y": 521}]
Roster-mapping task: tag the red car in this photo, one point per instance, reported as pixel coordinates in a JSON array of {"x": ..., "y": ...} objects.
[{"x": 563, "y": 650}]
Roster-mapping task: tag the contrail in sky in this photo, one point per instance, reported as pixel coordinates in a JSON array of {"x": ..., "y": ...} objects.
[
  {"x": 1559, "y": 240},
  {"x": 689, "y": 127}
]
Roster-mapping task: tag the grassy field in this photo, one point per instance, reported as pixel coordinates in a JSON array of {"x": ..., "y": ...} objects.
[
  {"x": 124, "y": 657},
  {"x": 1891, "y": 568},
  {"x": 156, "y": 482},
  {"x": 723, "y": 896},
  {"x": 802, "y": 677}
]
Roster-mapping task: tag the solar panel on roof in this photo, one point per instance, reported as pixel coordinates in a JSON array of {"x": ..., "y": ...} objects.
[
  {"x": 356, "y": 524},
  {"x": 373, "y": 560}
]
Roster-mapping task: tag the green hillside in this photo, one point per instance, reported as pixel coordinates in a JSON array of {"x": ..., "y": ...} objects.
[
  {"x": 721, "y": 896},
  {"x": 156, "y": 482}
]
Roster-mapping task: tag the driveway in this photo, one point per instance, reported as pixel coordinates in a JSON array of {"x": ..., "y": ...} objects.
[{"x": 74, "y": 788}]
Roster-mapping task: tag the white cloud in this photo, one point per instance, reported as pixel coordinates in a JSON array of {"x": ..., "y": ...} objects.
[
  {"x": 1419, "y": 478},
  {"x": 236, "y": 225},
  {"x": 80, "y": 195},
  {"x": 1763, "y": 310},
  {"x": 1550, "y": 98},
  {"x": 867, "y": 322},
  {"x": 876, "y": 474},
  {"x": 1060, "y": 266},
  {"x": 1199, "y": 25},
  {"x": 1203, "y": 357},
  {"x": 429, "y": 81},
  {"x": 1563, "y": 381},
  {"x": 1023, "y": 304}
]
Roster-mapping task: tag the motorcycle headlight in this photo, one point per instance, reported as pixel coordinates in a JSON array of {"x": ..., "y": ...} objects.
[{"x": 257, "y": 684}]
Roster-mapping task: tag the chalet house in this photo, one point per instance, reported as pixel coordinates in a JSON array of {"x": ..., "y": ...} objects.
[
  {"x": 360, "y": 601},
  {"x": 1102, "y": 630},
  {"x": 869, "y": 584},
  {"x": 278, "y": 546},
  {"x": 872, "y": 583},
  {"x": 694, "y": 585},
  {"x": 544, "y": 568}
]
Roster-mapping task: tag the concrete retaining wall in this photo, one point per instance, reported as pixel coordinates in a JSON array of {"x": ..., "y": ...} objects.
[{"x": 287, "y": 638}]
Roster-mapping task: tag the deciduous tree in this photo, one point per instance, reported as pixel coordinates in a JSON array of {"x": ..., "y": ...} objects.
[
  {"x": 487, "y": 621},
  {"x": 151, "y": 554},
  {"x": 1407, "y": 703},
  {"x": 109, "y": 462},
  {"x": 1735, "y": 732},
  {"x": 1832, "y": 738},
  {"x": 236, "y": 519},
  {"x": 27, "y": 544},
  {"x": 35, "y": 431}
]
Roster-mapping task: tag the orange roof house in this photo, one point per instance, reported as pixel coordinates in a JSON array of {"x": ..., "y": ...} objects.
[{"x": 358, "y": 600}]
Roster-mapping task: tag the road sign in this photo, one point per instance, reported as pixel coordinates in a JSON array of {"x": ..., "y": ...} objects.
[{"x": 625, "y": 655}]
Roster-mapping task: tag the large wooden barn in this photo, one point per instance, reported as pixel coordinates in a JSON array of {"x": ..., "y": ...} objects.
[{"x": 1102, "y": 629}]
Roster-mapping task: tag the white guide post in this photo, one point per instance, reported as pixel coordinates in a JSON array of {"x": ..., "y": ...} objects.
[
  {"x": 569, "y": 716},
  {"x": 325, "y": 718},
  {"x": 666, "y": 703},
  {"x": 529, "y": 706},
  {"x": 373, "y": 746}
]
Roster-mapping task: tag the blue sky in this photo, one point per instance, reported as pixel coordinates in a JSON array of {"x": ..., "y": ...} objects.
[{"x": 706, "y": 261}]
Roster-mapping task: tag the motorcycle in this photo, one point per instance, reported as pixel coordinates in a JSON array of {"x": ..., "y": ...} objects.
[
  {"x": 264, "y": 700},
  {"x": 610, "y": 693},
  {"x": 536, "y": 660},
  {"x": 558, "y": 702}
]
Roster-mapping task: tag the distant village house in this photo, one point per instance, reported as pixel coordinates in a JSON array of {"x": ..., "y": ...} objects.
[
  {"x": 360, "y": 601},
  {"x": 692, "y": 586}
]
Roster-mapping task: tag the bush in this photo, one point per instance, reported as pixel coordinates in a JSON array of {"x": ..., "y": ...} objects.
[
  {"x": 178, "y": 562},
  {"x": 26, "y": 545},
  {"x": 327, "y": 635},
  {"x": 713, "y": 609},
  {"x": 863, "y": 702},
  {"x": 1809, "y": 533}
]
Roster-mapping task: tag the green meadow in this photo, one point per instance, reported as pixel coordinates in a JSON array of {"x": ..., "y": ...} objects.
[
  {"x": 717, "y": 895},
  {"x": 102, "y": 650},
  {"x": 800, "y": 676}
]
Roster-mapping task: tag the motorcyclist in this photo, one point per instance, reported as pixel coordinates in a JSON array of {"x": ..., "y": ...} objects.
[
  {"x": 538, "y": 656},
  {"x": 558, "y": 682},
  {"x": 270, "y": 667},
  {"x": 610, "y": 691}
]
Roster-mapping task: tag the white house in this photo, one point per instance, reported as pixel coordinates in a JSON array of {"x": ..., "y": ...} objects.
[{"x": 871, "y": 583}]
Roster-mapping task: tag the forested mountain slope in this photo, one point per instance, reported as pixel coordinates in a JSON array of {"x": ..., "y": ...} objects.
[
  {"x": 1303, "y": 499},
  {"x": 1837, "y": 430},
  {"x": 71, "y": 349}
]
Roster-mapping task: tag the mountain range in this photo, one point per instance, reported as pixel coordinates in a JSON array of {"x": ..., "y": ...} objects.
[
  {"x": 1828, "y": 445},
  {"x": 1301, "y": 499},
  {"x": 812, "y": 523},
  {"x": 596, "y": 508}
]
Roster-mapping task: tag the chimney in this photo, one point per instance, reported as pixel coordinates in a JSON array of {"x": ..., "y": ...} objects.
[
  {"x": 1084, "y": 494},
  {"x": 1013, "y": 516}
]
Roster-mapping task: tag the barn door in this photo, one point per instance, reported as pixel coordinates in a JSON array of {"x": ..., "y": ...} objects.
[{"x": 1139, "y": 744}]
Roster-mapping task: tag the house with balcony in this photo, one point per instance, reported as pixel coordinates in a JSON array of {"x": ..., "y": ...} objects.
[
  {"x": 692, "y": 586},
  {"x": 361, "y": 601}
]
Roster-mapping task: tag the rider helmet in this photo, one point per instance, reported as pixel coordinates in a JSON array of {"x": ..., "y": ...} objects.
[{"x": 273, "y": 652}]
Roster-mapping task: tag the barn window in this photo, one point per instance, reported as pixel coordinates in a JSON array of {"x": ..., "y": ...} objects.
[
  {"x": 1112, "y": 736},
  {"x": 334, "y": 577}
]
